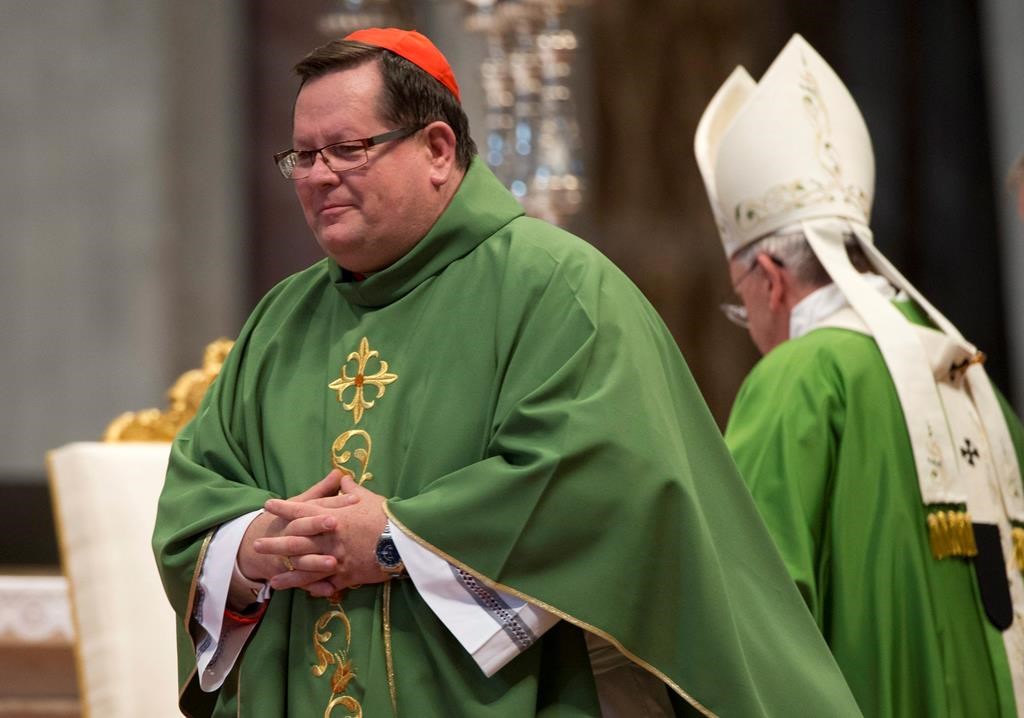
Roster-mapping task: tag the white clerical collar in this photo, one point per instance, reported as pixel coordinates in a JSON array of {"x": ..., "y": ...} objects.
[{"x": 826, "y": 301}]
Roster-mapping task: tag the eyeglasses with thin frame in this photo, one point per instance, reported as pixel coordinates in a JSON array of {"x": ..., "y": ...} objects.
[
  {"x": 737, "y": 313},
  {"x": 338, "y": 156}
]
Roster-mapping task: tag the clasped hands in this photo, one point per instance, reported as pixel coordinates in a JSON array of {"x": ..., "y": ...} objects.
[{"x": 320, "y": 541}]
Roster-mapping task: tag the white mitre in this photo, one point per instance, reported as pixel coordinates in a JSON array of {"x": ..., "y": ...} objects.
[
  {"x": 794, "y": 151},
  {"x": 793, "y": 146}
]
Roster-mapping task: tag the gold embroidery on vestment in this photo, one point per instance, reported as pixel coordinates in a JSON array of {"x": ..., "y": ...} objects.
[
  {"x": 341, "y": 456},
  {"x": 343, "y": 671},
  {"x": 378, "y": 380}
]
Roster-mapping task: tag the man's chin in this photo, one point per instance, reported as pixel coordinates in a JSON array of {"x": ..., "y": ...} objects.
[
  {"x": 358, "y": 251},
  {"x": 354, "y": 259},
  {"x": 338, "y": 246}
]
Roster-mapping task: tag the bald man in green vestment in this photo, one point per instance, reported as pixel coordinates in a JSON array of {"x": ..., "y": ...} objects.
[
  {"x": 886, "y": 466},
  {"x": 459, "y": 467}
]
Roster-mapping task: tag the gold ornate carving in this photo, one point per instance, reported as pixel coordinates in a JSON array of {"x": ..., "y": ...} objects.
[
  {"x": 378, "y": 380},
  {"x": 340, "y": 456},
  {"x": 806, "y": 192},
  {"x": 184, "y": 397}
]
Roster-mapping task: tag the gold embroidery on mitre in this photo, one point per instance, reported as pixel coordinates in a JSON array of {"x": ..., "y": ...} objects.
[
  {"x": 378, "y": 380},
  {"x": 340, "y": 456},
  {"x": 806, "y": 192},
  {"x": 950, "y": 533}
]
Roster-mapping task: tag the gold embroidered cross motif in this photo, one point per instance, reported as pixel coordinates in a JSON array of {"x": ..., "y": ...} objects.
[{"x": 378, "y": 380}]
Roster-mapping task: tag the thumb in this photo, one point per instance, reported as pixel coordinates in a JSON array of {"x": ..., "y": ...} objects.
[
  {"x": 350, "y": 486},
  {"x": 327, "y": 486}
]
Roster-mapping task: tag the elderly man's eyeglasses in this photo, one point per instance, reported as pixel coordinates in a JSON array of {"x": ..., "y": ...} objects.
[
  {"x": 339, "y": 157},
  {"x": 737, "y": 313}
]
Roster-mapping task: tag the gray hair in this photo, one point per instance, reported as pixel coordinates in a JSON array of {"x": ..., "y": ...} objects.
[{"x": 792, "y": 250}]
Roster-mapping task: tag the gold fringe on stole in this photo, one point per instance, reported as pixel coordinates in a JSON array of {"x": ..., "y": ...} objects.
[
  {"x": 1018, "y": 545},
  {"x": 951, "y": 534}
]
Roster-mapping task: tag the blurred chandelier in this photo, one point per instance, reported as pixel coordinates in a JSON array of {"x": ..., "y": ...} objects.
[
  {"x": 531, "y": 139},
  {"x": 350, "y": 15}
]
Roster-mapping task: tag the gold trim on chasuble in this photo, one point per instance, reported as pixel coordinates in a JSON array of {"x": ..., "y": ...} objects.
[
  {"x": 697, "y": 705},
  {"x": 189, "y": 608},
  {"x": 344, "y": 672}
]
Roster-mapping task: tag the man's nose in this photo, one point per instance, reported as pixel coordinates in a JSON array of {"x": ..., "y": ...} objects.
[{"x": 321, "y": 171}]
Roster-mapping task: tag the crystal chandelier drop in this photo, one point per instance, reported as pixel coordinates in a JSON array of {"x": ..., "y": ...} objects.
[
  {"x": 345, "y": 16},
  {"x": 532, "y": 137}
]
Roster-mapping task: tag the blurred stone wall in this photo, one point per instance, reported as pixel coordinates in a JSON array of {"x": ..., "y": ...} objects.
[{"x": 120, "y": 210}]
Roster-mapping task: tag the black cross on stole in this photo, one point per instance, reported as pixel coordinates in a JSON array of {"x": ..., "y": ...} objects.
[{"x": 969, "y": 452}]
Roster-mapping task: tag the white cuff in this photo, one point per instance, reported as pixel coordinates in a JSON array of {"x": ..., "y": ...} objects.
[
  {"x": 493, "y": 626},
  {"x": 218, "y": 645}
]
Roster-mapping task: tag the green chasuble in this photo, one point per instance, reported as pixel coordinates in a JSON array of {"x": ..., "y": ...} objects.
[
  {"x": 532, "y": 421},
  {"x": 818, "y": 433}
]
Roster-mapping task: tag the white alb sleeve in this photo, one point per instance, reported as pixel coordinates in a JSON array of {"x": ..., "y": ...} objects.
[
  {"x": 219, "y": 643},
  {"x": 493, "y": 626}
]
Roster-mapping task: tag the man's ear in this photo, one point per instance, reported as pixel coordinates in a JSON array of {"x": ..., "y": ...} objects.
[
  {"x": 778, "y": 282},
  {"x": 440, "y": 144}
]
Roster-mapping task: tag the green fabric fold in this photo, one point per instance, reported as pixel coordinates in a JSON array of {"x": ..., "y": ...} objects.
[{"x": 818, "y": 434}]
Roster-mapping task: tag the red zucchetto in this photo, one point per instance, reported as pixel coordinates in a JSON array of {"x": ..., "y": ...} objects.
[{"x": 415, "y": 48}]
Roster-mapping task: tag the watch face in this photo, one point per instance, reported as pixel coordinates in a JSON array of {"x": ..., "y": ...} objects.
[{"x": 387, "y": 553}]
